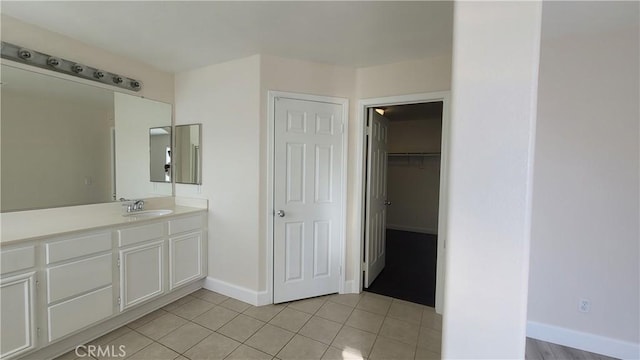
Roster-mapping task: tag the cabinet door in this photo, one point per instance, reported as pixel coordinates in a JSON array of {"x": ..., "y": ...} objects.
[
  {"x": 17, "y": 322},
  {"x": 185, "y": 259},
  {"x": 141, "y": 273}
]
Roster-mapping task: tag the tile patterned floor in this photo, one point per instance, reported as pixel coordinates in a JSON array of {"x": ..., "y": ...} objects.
[{"x": 207, "y": 325}]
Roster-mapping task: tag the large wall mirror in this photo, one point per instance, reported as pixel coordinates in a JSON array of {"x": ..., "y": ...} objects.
[
  {"x": 188, "y": 157},
  {"x": 66, "y": 143}
]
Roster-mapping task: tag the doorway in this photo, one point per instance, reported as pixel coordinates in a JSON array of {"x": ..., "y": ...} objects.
[{"x": 404, "y": 197}]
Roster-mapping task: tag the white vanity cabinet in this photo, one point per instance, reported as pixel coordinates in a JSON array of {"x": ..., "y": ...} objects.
[
  {"x": 186, "y": 250},
  {"x": 79, "y": 282},
  {"x": 141, "y": 256},
  {"x": 17, "y": 292},
  {"x": 60, "y": 291}
]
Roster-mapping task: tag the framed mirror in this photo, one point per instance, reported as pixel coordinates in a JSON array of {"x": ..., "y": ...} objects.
[
  {"x": 160, "y": 154},
  {"x": 66, "y": 143},
  {"x": 188, "y": 154}
]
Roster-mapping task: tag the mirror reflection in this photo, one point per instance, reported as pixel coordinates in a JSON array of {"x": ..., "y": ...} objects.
[
  {"x": 188, "y": 155},
  {"x": 160, "y": 154},
  {"x": 65, "y": 143}
]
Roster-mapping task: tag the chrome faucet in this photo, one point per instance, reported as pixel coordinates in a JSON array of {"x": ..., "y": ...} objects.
[{"x": 133, "y": 205}]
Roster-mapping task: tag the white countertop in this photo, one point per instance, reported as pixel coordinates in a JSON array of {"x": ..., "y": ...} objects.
[{"x": 45, "y": 223}]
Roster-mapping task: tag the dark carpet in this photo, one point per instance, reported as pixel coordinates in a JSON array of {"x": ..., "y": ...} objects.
[{"x": 410, "y": 270}]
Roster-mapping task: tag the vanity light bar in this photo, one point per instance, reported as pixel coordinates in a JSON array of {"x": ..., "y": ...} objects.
[{"x": 35, "y": 58}]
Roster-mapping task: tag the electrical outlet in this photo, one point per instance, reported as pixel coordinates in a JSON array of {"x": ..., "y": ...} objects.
[{"x": 584, "y": 305}]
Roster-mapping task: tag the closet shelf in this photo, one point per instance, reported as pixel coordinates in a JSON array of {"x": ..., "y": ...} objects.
[{"x": 414, "y": 154}]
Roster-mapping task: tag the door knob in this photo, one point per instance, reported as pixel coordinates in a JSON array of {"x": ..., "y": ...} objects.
[
  {"x": 387, "y": 203},
  {"x": 280, "y": 213}
]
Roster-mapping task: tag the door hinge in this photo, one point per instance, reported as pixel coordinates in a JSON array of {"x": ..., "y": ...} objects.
[
  {"x": 38, "y": 332},
  {"x": 118, "y": 262},
  {"x": 119, "y": 300},
  {"x": 368, "y": 131},
  {"x": 340, "y": 269},
  {"x": 341, "y": 127}
]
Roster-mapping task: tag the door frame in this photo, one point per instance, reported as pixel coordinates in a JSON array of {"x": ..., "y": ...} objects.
[
  {"x": 344, "y": 103},
  {"x": 360, "y": 189}
]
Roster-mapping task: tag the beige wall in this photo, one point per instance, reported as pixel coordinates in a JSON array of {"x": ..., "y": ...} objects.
[
  {"x": 225, "y": 98},
  {"x": 586, "y": 188},
  {"x": 157, "y": 85},
  {"x": 413, "y": 183},
  {"x": 50, "y": 147},
  {"x": 407, "y": 77}
]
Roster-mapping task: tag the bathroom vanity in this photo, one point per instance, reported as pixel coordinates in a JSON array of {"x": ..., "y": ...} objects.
[{"x": 72, "y": 274}]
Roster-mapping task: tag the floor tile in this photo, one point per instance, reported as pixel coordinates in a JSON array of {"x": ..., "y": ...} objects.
[
  {"x": 340, "y": 354},
  {"x": 321, "y": 329},
  {"x": 161, "y": 326},
  {"x": 213, "y": 347},
  {"x": 374, "y": 304},
  {"x": 241, "y": 327},
  {"x": 270, "y": 339},
  {"x": 301, "y": 347},
  {"x": 185, "y": 337},
  {"x": 385, "y": 349},
  {"x": 107, "y": 338},
  {"x": 365, "y": 320},
  {"x": 193, "y": 308},
  {"x": 346, "y": 299},
  {"x": 71, "y": 355},
  {"x": 424, "y": 354},
  {"x": 431, "y": 319},
  {"x": 334, "y": 312},
  {"x": 290, "y": 319},
  {"x": 264, "y": 313},
  {"x": 176, "y": 304},
  {"x": 406, "y": 311},
  {"x": 215, "y": 318},
  {"x": 244, "y": 352},
  {"x": 146, "y": 319},
  {"x": 400, "y": 330},
  {"x": 308, "y": 305},
  {"x": 235, "y": 305},
  {"x": 354, "y": 340},
  {"x": 155, "y": 351},
  {"x": 430, "y": 339},
  {"x": 210, "y": 296},
  {"x": 131, "y": 343}
]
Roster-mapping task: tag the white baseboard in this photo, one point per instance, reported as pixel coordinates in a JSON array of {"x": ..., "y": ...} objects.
[
  {"x": 256, "y": 298},
  {"x": 413, "y": 229},
  {"x": 583, "y": 341}
]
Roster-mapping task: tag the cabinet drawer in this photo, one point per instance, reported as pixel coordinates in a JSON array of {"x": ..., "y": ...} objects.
[
  {"x": 77, "y": 247},
  {"x": 17, "y": 259},
  {"x": 74, "y": 278},
  {"x": 186, "y": 224},
  {"x": 140, "y": 233},
  {"x": 74, "y": 314}
]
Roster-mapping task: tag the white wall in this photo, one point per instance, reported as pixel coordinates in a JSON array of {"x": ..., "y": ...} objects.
[
  {"x": 494, "y": 87},
  {"x": 55, "y": 151},
  {"x": 413, "y": 183},
  {"x": 157, "y": 85},
  {"x": 585, "y": 236},
  {"x": 225, "y": 98}
]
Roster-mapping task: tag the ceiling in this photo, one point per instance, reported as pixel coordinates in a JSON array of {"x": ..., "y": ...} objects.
[{"x": 180, "y": 35}]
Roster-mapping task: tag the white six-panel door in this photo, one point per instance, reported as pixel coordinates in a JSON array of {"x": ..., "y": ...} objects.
[
  {"x": 376, "y": 215},
  {"x": 308, "y": 217}
]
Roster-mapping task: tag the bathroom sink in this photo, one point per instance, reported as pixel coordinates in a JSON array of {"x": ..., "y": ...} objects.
[{"x": 148, "y": 213}]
